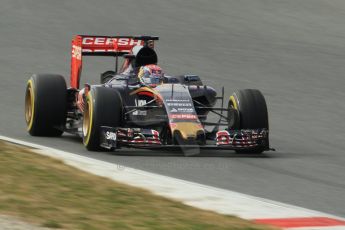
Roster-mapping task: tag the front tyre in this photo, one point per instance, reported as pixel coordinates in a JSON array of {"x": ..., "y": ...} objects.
[
  {"x": 45, "y": 105},
  {"x": 103, "y": 107},
  {"x": 252, "y": 111}
]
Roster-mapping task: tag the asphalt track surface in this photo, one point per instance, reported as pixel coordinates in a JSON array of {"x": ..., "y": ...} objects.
[{"x": 293, "y": 51}]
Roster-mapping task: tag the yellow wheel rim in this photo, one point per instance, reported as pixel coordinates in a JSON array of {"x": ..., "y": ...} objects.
[
  {"x": 233, "y": 102},
  {"x": 87, "y": 119},
  {"x": 29, "y": 105}
]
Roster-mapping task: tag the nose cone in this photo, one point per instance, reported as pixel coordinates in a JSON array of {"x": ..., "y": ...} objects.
[{"x": 188, "y": 132}]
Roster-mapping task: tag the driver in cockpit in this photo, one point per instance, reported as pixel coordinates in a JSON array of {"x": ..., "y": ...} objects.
[{"x": 150, "y": 75}]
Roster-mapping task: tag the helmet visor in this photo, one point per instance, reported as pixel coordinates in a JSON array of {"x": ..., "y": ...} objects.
[{"x": 152, "y": 80}]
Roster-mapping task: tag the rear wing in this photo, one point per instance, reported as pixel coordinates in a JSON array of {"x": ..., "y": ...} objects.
[{"x": 92, "y": 45}]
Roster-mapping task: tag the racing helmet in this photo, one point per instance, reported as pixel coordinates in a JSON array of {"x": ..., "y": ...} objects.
[{"x": 151, "y": 75}]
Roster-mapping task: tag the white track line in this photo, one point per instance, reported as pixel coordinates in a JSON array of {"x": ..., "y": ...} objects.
[{"x": 190, "y": 193}]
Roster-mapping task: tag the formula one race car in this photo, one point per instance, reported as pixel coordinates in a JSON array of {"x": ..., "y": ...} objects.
[{"x": 123, "y": 112}]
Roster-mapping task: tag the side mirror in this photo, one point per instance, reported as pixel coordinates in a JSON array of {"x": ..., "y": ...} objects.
[
  {"x": 170, "y": 79},
  {"x": 191, "y": 78}
]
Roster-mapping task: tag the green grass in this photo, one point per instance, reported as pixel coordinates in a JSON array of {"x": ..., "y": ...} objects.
[{"x": 47, "y": 192}]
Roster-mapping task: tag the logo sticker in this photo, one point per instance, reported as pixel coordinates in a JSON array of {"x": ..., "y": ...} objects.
[
  {"x": 110, "y": 136},
  {"x": 76, "y": 52}
]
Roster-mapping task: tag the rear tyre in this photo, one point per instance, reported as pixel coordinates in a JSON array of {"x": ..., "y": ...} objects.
[
  {"x": 45, "y": 105},
  {"x": 103, "y": 107},
  {"x": 252, "y": 111}
]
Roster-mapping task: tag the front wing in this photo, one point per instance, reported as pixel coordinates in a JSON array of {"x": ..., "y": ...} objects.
[{"x": 112, "y": 138}]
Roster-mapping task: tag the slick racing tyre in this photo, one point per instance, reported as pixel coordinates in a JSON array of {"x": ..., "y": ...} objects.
[
  {"x": 252, "y": 113},
  {"x": 45, "y": 105},
  {"x": 103, "y": 107}
]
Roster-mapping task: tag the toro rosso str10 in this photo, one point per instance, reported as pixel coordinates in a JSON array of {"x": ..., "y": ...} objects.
[{"x": 121, "y": 111}]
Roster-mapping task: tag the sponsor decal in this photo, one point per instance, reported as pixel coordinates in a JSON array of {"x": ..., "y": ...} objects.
[
  {"x": 140, "y": 102},
  {"x": 182, "y": 110},
  {"x": 180, "y": 104},
  {"x": 76, "y": 52},
  {"x": 185, "y": 110},
  {"x": 140, "y": 112},
  {"x": 177, "y": 100},
  {"x": 110, "y": 136},
  {"x": 183, "y": 116},
  {"x": 108, "y": 44},
  {"x": 101, "y": 41}
]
